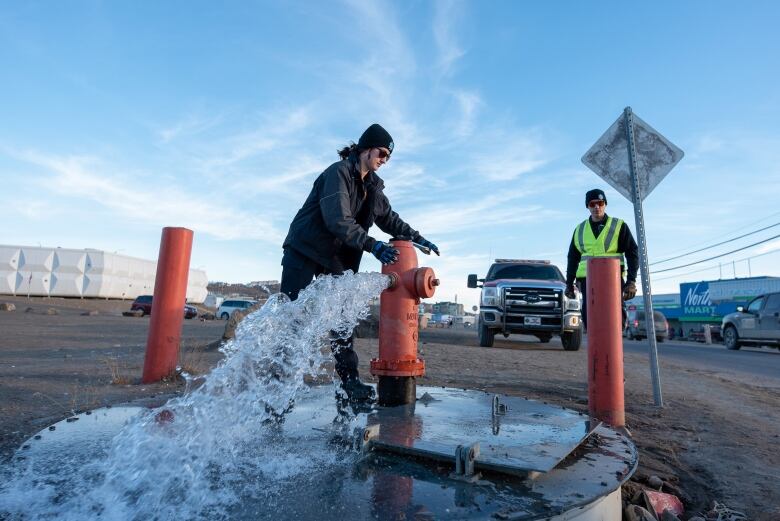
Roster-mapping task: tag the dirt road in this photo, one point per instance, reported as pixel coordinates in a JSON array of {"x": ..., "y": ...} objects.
[
  {"x": 52, "y": 365},
  {"x": 716, "y": 437}
]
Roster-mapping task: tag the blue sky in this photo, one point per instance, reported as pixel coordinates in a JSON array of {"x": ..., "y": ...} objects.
[{"x": 119, "y": 118}]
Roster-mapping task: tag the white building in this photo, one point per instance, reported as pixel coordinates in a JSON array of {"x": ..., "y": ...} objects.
[{"x": 62, "y": 272}]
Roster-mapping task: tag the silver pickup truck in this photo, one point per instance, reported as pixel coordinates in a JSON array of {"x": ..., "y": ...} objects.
[
  {"x": 756, "y": 324},
  {"x": 527, "y": 297}
]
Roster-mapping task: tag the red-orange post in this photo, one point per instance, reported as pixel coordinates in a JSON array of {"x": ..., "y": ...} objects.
[
  {"x": 605, "y": 341},
  {"x": 170, "y": 293}
]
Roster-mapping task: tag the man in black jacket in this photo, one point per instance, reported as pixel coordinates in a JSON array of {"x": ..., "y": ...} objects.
[
  {"x": 330, "y": 233},
  {"x": 598, "y": 236}
]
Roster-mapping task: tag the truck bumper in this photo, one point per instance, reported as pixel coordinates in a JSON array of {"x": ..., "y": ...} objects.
[{"x": 493, "y": 318}]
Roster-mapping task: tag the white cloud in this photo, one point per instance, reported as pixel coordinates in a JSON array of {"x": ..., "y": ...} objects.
[
  {"x": 767, "y": 247},
  {"x": 503, "y": 207},
  {"x": 377, "y": 23},
  {"x": 163, "y": 205},
  {"x": 446, "y": 15},
  {"x": 409, "y": 177},
  {"x": 292, "y": 178},
  {"x": 276, "y": 131},
  {"x": 30, "y": 208},
  {"x": 190, "y": 125},
  {"x": 469, "y": 103},
  {"x": 451, "y": 270},
  {"x": 510, "y": 157}
]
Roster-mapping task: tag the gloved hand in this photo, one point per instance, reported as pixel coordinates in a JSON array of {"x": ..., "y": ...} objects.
[
  {"x": 629, "y": 291},
  {"x": 385, "y": 253},
  {"x": 422, "y": 241},
  {"x": 570, "y": 292}
]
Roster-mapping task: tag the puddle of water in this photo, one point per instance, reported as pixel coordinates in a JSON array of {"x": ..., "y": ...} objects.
[{"x": 215, "y": 446}]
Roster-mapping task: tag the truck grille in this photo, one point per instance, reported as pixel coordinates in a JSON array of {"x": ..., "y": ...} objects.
[{"x": 544, "y": 303}]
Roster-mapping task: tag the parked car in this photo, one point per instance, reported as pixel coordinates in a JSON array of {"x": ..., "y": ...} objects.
[
  {"x": 144, "y": 303},
  {"x": 637, "y": 328},
  {"x": 190, "y": 311},
  {"x": 697, "y": 335},
  {"x": 229, "y": 306},
  {"x": 756, "y": 324}
]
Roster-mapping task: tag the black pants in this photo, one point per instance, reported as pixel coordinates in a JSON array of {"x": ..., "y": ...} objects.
[
  {"x": 297, "y": 272},
  {"x": 582, "y": 284}
]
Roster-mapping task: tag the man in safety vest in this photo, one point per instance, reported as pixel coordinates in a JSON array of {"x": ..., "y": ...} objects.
[{"x": 601, "y": 236}]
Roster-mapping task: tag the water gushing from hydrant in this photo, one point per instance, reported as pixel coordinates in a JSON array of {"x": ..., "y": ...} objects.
[{"x": 215, "y": 446}]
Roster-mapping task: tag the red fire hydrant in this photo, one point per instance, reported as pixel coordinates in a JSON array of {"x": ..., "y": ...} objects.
[{"x": 398, "y": 364}]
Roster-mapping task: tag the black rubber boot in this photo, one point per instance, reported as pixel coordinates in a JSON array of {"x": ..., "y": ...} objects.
[{"x": 358, "y": 392}]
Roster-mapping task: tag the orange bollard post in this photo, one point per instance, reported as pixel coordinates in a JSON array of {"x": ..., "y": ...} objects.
[
  {"x": 605, "y": 341},
  {"x": 170, "y": 293},
  {"x": 397, "y": 364}
]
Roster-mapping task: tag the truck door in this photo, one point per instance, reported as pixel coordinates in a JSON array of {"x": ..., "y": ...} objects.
[
  {"x": 749, "y": 321},
  {"x": 769, "y": 318}
]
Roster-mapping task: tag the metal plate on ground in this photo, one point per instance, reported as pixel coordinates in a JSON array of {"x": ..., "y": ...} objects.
[
  {"x": 528, "y": 437},
  {"x": 340, "y": 483}
]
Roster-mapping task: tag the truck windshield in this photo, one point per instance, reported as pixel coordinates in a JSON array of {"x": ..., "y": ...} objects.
[{"x": 524, "y": 271}]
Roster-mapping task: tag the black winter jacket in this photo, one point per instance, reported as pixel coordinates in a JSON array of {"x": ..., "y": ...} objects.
[{"x": 332, "y": 226}]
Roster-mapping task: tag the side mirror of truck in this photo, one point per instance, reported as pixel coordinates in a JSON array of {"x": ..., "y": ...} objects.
[{"x": 472, "y": 281}]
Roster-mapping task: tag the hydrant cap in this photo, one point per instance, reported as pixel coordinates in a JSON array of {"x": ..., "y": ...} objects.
[{"x": 425, "y": 282}]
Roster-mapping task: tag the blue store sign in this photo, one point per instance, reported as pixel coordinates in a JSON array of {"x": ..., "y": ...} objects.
[{"x": 695, "y": 299}]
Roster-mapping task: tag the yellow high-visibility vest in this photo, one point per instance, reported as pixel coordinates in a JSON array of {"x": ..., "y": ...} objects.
[{"x": 605, "y": 245}]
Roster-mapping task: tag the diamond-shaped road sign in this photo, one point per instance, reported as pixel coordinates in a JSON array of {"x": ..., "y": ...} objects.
[{"x": 609, "y": 157}]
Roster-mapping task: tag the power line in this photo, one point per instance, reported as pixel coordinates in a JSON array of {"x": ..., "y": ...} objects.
[
  {"x": 715, "y": 245},
  {"x": 737, "y": 229},
  {"x": 713, "y": 266},
  {"x": 716, "y": 256}
]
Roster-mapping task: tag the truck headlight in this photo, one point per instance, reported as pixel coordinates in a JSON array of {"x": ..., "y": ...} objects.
[
  {"x": 490, "y": 296},
  {"x": 571, "y": 304}
]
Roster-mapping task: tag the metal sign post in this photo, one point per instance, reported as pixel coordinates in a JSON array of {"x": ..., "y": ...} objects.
[
  {"x": 644, "y": 266},
  {"x": 633, "y": 158}
]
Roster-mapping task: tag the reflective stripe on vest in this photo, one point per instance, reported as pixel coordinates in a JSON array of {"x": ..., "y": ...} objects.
[{"x": 605, "y": 245}]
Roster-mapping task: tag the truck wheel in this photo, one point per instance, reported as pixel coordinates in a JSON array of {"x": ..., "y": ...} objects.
[
  {"x": 571, "y": 340},
  {"x": 731, "y": 338},
  {"x": 225, "y": 316},
  {"x": 485, "y": 336}
]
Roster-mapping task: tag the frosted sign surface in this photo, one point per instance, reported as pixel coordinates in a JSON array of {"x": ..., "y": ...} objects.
[{"x": 609, "y": 157}]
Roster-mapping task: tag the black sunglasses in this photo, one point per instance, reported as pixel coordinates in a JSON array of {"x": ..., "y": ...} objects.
[{"x": 383, "y": 154}]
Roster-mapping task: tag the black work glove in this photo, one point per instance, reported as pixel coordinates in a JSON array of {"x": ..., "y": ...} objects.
[
  {"x": 422, "y": 241},
  {"x": 385, "y": 253},
  {"x": 570, "y": 292},
  {"x": 629, "y": 291}
]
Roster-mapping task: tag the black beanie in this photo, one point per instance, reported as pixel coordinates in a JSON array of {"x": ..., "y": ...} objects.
[
  {"x": 374, "y": 137},
  {"x": 595, "y": 195}
]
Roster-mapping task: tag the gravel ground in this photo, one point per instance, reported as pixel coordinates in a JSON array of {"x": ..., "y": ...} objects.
[{"x": 716, "y": 438}]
